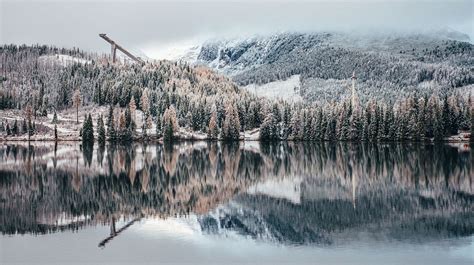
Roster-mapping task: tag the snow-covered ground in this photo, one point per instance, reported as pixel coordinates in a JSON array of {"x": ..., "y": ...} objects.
[
  {"x": 67, "y": 127},
  {"x": 252, "y": 135},
  {"x": 62, "y": 59},
  {"x": 287, "y": 89}
]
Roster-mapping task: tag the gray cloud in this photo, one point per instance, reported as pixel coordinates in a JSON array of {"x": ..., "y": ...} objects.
[{"x": 149, "y": 23}]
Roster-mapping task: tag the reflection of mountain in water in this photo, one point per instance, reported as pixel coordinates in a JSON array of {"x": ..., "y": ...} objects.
[
  {"x": 409, "y": 193},
  {"x": 290, "y": 193},
  {"x": 324, "y": 221}
]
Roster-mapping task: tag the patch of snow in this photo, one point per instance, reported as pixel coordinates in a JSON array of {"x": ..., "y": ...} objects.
[
  {"x": 190, "y": 135},
  {"x": 252, "y": 135},
  {"x": 62, "y": 59},
  {"x": 284, "y": 89}
]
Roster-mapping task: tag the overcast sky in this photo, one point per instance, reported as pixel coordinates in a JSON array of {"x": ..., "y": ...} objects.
[{"x": 151, "y": 26}]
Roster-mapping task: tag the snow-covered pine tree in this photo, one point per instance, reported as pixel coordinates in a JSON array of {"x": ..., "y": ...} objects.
[
  {"x": 145, "y": 106},
  {"x": 268, "y": 129},
  {"x": 231, "y": 127},
  {"x": 296, "y": 126},
  {"x": 421, "y": 120},
  {"x": 88, "y": 131},
  {"x": 100, "y": 131}
]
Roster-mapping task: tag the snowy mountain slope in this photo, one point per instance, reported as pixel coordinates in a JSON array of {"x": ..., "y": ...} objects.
[{"x": 386, "y": 65}]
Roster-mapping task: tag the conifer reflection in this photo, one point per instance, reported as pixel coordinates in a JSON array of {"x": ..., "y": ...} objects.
[{"x": 340, "y": 185}]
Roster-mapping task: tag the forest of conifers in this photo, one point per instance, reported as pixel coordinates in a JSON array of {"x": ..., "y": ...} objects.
[{"x": 176, "y": 95}]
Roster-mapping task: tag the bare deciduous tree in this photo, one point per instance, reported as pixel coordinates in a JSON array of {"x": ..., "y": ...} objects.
[{"x": 76, "y": 102}]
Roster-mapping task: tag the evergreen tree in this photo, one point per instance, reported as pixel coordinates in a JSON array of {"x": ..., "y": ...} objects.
[
  {"x": 15, "y": 128},
  {"x": 445, "y": 118},
  {"x": 344, "y": 120},
  {"x": 296, "y": 126},
  {"x": 159, "y": 131},
  {"x": 9, "y": 132},
  {"x": 306, "y": 124},
  {"x": 110, "y": 117},
  {"x": 254, "y": 115},
  {"x": 286, "y": 120},
  {"x": 330, "y": 134},
  {"x": 276, "y": 112},
  {"x": 100, "y": 131},
  {"x": 55, "y": 132},
  {"x": 111, "y": 132},
  {"x": 231, "y": 127},
  {"x": 372, "y": 128},
  {"x": 268, "y": 130},
  {"x": 438, "y": 126},
  {"x": 454, "y": 115},
  {"x": 318, "y": 125},
  {"x": 365, "y": 125},
  {"x": 421, "y": 121},
  {"x": 168, "y": 133},
  {"x": 31, "y": 129},
  {"x": 313, "y": 136},
  {"x": 355, "y": 133},
  {"x": 472, "y": 124},
  {"x": 24, "y": 127},
  {"x": 55, "y": 118},
  {"x": 145, "y": 106},
  {"x": 88, "y": 131}
]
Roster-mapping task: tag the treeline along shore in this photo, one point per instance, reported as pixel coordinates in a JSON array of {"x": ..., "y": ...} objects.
[{"x": 48, "y": 93}]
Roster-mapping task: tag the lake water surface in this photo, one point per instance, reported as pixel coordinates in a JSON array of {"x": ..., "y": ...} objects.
[{"x": 241, "y": 203}]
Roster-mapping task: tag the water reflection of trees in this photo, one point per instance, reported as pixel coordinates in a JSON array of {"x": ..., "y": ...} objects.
[
  {"x": 45, "y": 189},
  {"x": 404, "y": 192},
  {"x": 428, "y": 166}
]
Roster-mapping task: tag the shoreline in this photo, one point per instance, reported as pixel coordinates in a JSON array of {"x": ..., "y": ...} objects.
[{"x": 160, "y": 140}]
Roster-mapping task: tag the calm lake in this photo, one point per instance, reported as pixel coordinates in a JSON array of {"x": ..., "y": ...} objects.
[{"x": 242, "y": 203}]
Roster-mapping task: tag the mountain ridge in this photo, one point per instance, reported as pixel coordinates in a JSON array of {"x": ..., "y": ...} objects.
[{"x": 397, "y": 65}]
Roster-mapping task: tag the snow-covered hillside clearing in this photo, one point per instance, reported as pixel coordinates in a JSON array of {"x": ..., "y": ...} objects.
[
  {"x": 62, "y": 59},
  {"x": 287, "y": 89}
]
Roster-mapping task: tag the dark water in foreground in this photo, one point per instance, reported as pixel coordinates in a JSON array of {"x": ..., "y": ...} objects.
[{"x": 242, "y": 203}]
